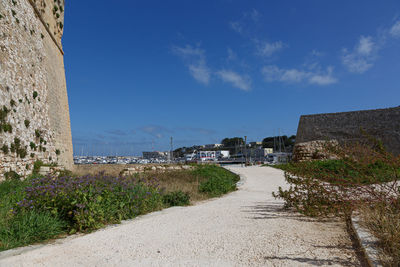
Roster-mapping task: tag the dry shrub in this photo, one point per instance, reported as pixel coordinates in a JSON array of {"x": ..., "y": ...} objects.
[
  {"x": 180, "y": 180},
  {"x": 364, "y": 176},
  {"x": 384, "y": 223}
]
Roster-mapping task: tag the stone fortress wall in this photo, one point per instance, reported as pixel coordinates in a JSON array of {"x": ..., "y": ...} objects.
[
  {"x": 34, "y": 112},
  {"x": 314, "y": 130}
]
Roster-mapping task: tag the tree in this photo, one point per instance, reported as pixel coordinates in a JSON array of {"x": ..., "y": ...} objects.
[{"x": 232, "y": 144}]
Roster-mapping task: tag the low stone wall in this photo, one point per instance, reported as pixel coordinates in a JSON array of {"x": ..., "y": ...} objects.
[
  {"x": 313, "y": 150},
  {"x": 126, "y": 169}
]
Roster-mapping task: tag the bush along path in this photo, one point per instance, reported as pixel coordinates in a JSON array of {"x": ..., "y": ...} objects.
[
  {"x": 363, "y": 178},
  {"x": 41, "y": 208},
  {"x": 245, "y": 228}
]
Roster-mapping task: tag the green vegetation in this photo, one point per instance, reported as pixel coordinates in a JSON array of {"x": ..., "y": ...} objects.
[
  {"x": 176, "y": 198},
  {"x": 16, "y": 147},
  {"x": 339, "y": 171},
  {"x": 27, "y": 122},
  {"x": 4, "y": 125},
  {"x": 12, "y": 175},
  {"x": 36, "y": 166},
  {"x": 5, "y": 149},
  {"x": 58, "y": 152},
  {"x": 7, "y": 127},
  {"x": 37, "y": 133},
  {"x": 219, "y": 181},
  {"x": 35, "y": 94},
  {"x": 32, "y": 145},
  {"x": 25, "y": 227},
  {"x": 39, "y": 208},
  {"x": 272, "y": 142}
]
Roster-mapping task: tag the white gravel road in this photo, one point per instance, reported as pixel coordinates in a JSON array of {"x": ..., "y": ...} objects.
[{"x": 245, "y": 228}]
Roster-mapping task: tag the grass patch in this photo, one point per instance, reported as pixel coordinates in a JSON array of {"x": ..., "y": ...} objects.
[{"x": 218, "y": 181}]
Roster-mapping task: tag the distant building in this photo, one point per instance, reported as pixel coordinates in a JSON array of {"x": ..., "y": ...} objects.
[
  {"x": 222, "y": 154},
  {"x": 208, "y": 155},
  {"x": 155, "y": 155},
  {"x": 259, "y": 153}
]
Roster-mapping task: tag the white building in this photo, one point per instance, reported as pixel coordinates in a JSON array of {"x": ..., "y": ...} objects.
[
  {"x": 224, "y": 154},
  {"x": 210, "y": 155}
]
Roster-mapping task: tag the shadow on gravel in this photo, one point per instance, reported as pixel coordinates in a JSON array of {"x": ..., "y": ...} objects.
[
  {"x": 275, "y": 210},
  {"x": 315, "y": 262}
]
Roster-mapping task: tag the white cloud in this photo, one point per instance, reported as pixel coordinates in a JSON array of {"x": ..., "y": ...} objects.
[
  {"x": 254, "y": 14},
  {"x": 323, "y": 79},
  {"x": 395, "y": 30},
  {"x": 362, "y": 57},
  {"x": 239, "y": 81},
  {"x": 366, "y": 46},
  {"x": 274, "y": 73},
  {"x": 188, "y": 51},
  {"x": 200, "y": 72},
  {"x": 365, "y": 52},
  {"x": 268, "y": 49},
  {"x": 196, "y": 62},
  {"x": 237, "y": 26},
  {"x": 231, "y": 54}
]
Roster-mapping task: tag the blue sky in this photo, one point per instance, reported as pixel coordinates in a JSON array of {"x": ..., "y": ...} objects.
[{"x": 139, "y": 72}]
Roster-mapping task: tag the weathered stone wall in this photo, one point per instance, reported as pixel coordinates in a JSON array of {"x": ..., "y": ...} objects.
[
  {"x": 126, "y": 169},
  {"x": 382, "y": 124},
  {"x": 33, "y": 98}
]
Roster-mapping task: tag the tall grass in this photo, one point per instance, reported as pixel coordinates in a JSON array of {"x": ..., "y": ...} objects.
[{"x": 384, "y": 222}]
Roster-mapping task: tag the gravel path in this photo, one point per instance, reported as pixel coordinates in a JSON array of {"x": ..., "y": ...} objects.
[{"x": 245, "y": 228}]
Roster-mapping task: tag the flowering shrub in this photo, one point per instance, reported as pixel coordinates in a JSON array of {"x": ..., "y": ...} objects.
[{"x": 89, "y": 202}]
